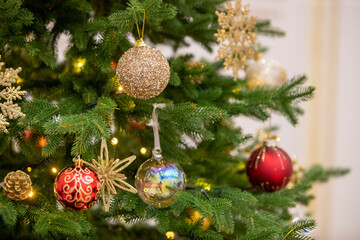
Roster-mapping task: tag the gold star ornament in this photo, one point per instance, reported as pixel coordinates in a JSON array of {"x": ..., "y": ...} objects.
[
  {"x": 109, "y": 173},
  {"x": 236, "y": 36}
]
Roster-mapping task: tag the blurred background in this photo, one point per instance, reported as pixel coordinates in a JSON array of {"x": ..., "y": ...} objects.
[{"x": 323, "y": 41}]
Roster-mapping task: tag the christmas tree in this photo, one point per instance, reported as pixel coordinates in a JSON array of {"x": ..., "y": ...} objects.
[{"x": 88, "y": 110}]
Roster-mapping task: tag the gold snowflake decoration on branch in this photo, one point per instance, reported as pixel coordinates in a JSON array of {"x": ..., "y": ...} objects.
[
  {"x": 236, "y": 36},
  {"x": 109, "y": 174},
  {"x": 7, "y": 95}
]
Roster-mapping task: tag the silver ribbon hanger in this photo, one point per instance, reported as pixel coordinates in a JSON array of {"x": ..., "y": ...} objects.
[{"x": 155, "y": 124}]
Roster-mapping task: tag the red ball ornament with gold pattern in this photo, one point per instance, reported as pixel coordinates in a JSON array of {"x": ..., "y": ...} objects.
[
  {"x": 269, "y": 168},
  {"x": 77, "y": 186}
]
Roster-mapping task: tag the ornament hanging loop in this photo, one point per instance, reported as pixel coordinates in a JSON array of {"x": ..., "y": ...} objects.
[
  {"x": 104, "y": 151},
  {"x": 270, "y": 140},
  {"x": 140, "y": 42},
  {"x": 78, "y": 161},
  {"x": 155, "y": 123},
  {"x": 270, "y": 124}
]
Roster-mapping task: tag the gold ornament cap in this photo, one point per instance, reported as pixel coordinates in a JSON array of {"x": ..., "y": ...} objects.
[
  {"x": 17, "y": 185},
  {"x": 140, "y": 43},
  {"x": 271, "y": 141}
]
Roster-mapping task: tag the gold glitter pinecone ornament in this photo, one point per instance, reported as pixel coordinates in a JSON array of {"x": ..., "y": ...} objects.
[
  {"x": 143, "y": 72},
  {"x": 17, "y": 185}
]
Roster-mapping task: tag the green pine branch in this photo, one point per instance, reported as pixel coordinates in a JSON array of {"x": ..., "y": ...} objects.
[{"x": 155, "y": 12}]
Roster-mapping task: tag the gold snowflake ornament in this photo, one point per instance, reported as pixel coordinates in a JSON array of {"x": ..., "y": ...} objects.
[
  {"x": 7, "y": 95},
  {"x": 237, "y": 36},
  {"x": 109, "y": 174}
]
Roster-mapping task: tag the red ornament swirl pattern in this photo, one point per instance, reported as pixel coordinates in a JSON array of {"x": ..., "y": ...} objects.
[{"x": 77, "y": 187}]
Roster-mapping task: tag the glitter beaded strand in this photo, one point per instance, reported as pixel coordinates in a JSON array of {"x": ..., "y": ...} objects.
[{"x": 157, "y": 149}]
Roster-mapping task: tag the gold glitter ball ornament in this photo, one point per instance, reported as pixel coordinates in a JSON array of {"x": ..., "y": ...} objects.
[
  {"x": 17, "y": 185},
  {"x": 143, "y": 72}
]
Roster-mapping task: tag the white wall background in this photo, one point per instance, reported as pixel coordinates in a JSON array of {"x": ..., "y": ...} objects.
[{"x": 323, "y": 41}]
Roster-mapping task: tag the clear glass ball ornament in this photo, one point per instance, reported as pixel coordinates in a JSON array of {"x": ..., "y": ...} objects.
[
  {"x": 265, "y": 72},
  {"x": 157, "y": 181}
]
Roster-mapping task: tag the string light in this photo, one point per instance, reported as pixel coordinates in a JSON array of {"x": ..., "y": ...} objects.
[
  {"x": 143, "y": 150},
  {"x": 203, "y": 183},
  {"x": 114, "y": 141},
  {"x": 29, "y": 169},
  {"x": 43, "y": 141},
  {"x": 79, "y": 64},
  {"x": 31, "y": 194},
  {"x": 170, "y": 235},
  {"x": 53, "y": 169},
  {"x": 113, "y": 65},
  {"x": 19, "y": 80},
  {"x": 120, "y": 89}
]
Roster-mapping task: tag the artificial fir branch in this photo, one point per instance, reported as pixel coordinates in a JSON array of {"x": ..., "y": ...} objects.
[
  {"x": 73, "y": 107},
  {"x": 296, "y": 227},
  {"x": 264, "y": 27}
]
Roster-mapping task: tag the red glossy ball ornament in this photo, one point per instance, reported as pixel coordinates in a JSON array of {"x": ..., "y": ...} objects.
[
  {"x": 269, "y": 168},
  {"x": 77, "y": 187}
]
